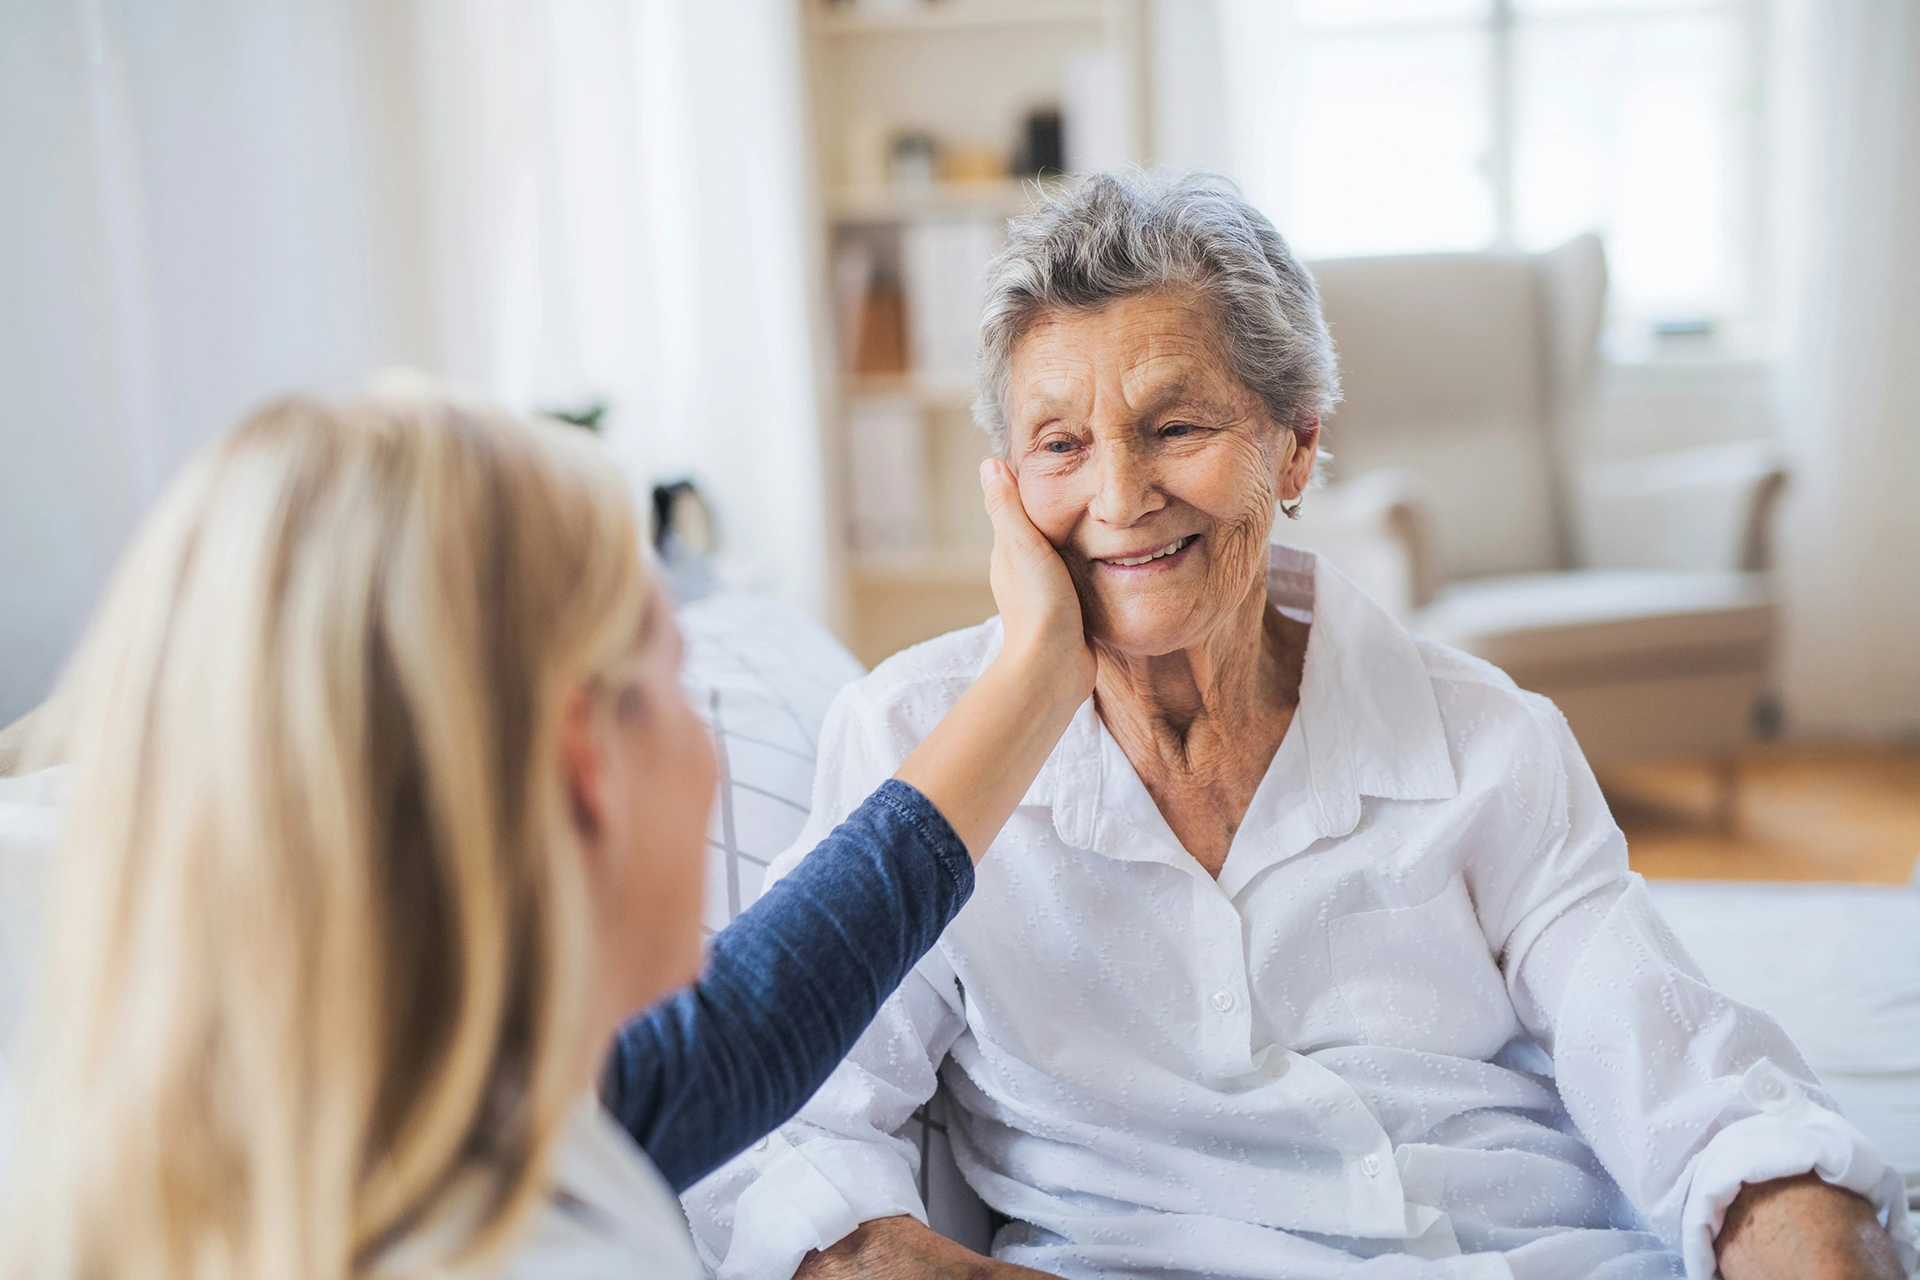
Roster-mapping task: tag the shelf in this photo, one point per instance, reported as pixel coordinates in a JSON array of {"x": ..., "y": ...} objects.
[
  {"x": 921, "y": 568},
  {"x": 956, "y": 15},
  {"x": 937, "y": 393},
  {"x": 1001, "y": 197}
]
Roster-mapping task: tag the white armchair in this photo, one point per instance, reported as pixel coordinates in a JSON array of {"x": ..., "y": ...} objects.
[{"x": 1634, "y": 594}]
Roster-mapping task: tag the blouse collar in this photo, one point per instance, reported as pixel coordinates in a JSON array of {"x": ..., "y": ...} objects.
[{"x": 1368, "y": 724}]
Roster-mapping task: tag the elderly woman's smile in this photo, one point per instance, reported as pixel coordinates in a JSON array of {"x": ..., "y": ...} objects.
[
  {"x": 1151, "y": 558},
  {"x": 1150, "y": 465}
]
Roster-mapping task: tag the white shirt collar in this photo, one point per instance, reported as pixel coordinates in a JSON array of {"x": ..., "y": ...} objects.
[{"x": 1367, "y": 725}]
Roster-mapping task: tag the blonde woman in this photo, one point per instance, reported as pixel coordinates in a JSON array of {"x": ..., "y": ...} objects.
[{"x": 385, "y": 812}]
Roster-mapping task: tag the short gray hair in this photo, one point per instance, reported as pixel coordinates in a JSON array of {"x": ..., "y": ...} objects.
[{"x": 1115, "y": 235}]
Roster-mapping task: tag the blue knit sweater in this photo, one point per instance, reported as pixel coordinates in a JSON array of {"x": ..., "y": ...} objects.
[{"x": 788, "y": 987}]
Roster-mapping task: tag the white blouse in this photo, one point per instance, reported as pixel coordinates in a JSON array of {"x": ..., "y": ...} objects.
[
  {"x": 607, "y": 1217},
  {"x": 612, "y": 1215},
  {"x": 1425, "y": 1015}
]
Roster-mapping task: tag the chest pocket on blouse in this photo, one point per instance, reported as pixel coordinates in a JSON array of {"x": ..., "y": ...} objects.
[{"x": 1422, "y": 977}]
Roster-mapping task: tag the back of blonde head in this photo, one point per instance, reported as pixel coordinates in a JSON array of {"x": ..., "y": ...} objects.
[{"x": 320, "y": 955}]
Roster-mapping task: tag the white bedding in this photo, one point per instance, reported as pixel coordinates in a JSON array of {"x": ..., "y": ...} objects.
[
  {"x": 1839, "y": 967},
  {"x": 29, "y": 824}
]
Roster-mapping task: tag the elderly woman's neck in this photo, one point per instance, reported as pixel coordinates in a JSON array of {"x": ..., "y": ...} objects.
[{"x": 1231, "y": 691}]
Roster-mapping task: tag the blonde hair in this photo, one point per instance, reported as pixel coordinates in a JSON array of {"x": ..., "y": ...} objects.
[{"x": 320, "y": 972}]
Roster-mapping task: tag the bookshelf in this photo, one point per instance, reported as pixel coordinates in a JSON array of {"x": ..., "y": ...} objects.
[
  {"x": 904, "y": 229},
  {"x": 883, "y": 204},
  {"x": 853, "y": 19}
]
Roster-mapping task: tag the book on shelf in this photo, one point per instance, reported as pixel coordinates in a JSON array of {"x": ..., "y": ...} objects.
[
  {"x": 872, "y": 312},
  {"x": 887, "y": 453},
  {"x": 853, "y": 264},
  {"x": 944, "y": 264}
]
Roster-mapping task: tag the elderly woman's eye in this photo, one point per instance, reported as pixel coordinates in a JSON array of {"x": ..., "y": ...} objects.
[
  {"x": 1174, "y": 430},
  {"x": 1058, "y": 446}
]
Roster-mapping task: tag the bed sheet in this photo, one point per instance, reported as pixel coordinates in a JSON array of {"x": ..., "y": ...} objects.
[{"x": 1839, "y": 967}]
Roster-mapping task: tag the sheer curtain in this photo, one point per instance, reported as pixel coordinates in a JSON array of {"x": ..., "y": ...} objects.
[
  {"x": 185, "y": 228},
  {"x": 615, "y": 196},
  {"x": 1849, "y": 389},
  {"x": 555, "y": 204}
]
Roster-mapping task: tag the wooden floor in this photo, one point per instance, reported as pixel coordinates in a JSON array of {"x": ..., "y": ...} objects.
[{"x": 1805, "y": 813}]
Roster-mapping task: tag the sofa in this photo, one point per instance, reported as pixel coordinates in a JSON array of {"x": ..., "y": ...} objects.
[{"x": 763, "y": 676}]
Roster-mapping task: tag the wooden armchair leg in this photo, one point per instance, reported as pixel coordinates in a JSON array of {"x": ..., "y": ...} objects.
[{"x": 1726, "y": 794}]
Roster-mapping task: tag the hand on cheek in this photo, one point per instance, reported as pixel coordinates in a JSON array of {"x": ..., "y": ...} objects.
[{"x": 1152, "y": 468}]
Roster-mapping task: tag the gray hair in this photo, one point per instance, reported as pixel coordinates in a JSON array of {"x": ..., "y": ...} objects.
[{"x": 1114, "y": 235}]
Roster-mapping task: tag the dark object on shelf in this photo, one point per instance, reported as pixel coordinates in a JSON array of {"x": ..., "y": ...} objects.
[
  {"x": 681, "y": 518},
  {"x": 587, "y": 415},
  {"x": 1693, "y": 327},
  {"x": 683, "y": 538},
  {"x": 1042, "y": 151},
  {"x": 914, "y": 160}
]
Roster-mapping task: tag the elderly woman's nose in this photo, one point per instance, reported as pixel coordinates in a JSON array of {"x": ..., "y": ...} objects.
[{"x": 1126, "y": 487}]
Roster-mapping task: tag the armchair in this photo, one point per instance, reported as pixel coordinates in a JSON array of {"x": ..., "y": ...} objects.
[{"x": 1634, "y": 594}]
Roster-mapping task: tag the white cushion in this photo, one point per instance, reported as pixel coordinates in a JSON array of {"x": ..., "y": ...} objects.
[
  {"x": 762, "y": 674},
  {"x": 1588, "y": 625},
  {"x": 1441, "y": 364},
  {"x": 1689, "y": 509}
]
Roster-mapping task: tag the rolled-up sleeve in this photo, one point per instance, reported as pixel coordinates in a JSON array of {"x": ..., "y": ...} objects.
[{"x": 1684, "y": 1093}]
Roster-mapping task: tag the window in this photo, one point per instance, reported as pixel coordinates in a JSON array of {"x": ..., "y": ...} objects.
[{"x": 1416, "y": 125}]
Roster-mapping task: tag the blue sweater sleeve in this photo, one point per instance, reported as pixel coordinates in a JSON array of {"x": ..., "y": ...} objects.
[{"x": 788, "y": 987}]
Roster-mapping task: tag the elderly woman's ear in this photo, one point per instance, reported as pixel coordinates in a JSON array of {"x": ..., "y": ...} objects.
[{"x": 1296, "y": 461}]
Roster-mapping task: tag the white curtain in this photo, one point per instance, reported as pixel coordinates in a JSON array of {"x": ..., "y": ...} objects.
[
  {"x": 185, "y": 228},
  {"x": 1849, "y": 389},
  {"x": 616, "y": 197},
  {"x": 207, "y": 203}
]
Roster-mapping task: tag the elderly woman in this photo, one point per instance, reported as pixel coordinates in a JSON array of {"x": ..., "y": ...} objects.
[{"x": 1313, "y": 950}]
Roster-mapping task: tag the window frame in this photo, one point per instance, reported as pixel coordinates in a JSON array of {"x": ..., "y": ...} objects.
[{"x": 1743, "y": 320}]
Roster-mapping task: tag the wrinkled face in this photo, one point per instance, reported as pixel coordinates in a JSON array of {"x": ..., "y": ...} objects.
[{"x": 1150, "y": 466}]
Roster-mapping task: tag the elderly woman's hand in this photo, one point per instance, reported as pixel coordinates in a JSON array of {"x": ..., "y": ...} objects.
[
  {"x": 1039, "y": 609},
  {"x": 1802, "y": 1228},
  {"x": 906, "y": 1249},
  {"x": 982, "y": 756}
]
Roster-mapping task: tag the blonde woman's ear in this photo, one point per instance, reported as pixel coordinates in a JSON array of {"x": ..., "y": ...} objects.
[{"x": 584, "y": 761}]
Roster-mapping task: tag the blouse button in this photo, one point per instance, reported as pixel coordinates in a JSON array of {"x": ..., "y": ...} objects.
[
  {"x": 1771, "y": 1088},
  {"x": 1223, "y": 1000},
  {"x": 1370, "y": 1165},
  {"x": 762, "y": 1144}
]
